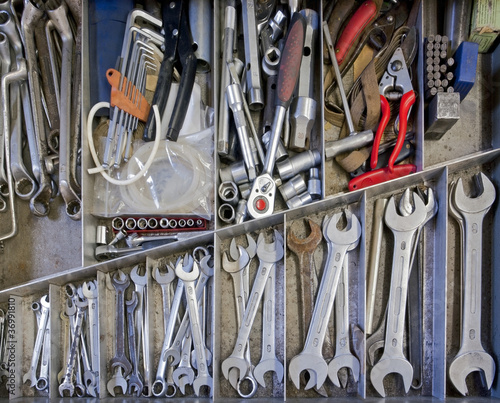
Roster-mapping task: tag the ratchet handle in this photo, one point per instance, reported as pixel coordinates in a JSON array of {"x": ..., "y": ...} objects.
[
  {"x": 291, "y": 57},
  {"x": 381, "y": 175},
  {"x": 160, "y": 96},
  {"x": 183, "y": 97},
  {"x": 407, "y": 101},
  {"x": 363, "y": 16},
  {"x": 386, "y": 115}
]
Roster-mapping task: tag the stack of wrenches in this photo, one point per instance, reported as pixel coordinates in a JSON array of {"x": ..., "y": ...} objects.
[
  {"x": 238, "y": 368},
  {"x": 335, "y": 277},
  {"x": 37, "y": 76},
  {"x": 288, "y": 110},
  {"x": 186, "y": 352},
  {"x": 416, "y": 208},
  {"x": 80, "y": 376}
]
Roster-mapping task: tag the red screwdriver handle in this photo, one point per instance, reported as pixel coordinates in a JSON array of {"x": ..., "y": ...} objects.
[
  {"x": 407, "y": 101},
  {"x": 291, "y": 57}
]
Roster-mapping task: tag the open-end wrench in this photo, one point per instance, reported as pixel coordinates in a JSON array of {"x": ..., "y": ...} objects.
[
  {"x": 184, "y": 374},
  {"x": 69, "y": 312},
  {"x": 140, "y": 284},
  {"x": 188, "y": 272},
  {"x": 263, "y": 193},
  {"x": 207, "y": 271},
  {"x": 67, "y": 383},
  {"x": 393, "y": 359},
  {"x": 31, "y": 374},
  {"x": 160, "y": 386},
  {"x": 269, "y": 254},
  {"x": 135, "y": 384},
  {"x": 235, "y": 269},
  {"x": 120, "y": 282},
  {"x": 472, "y": 356},
  {"x": 43, "y": 380},
  {"x": 89, "y": 290},
  {"x": 343, "y": 358},
  {"x": 376, "y": 340},
  {"x": 339, "y": 242},
  {"x": 165, "y": 279},
  {"x": 269, "y": 361}
]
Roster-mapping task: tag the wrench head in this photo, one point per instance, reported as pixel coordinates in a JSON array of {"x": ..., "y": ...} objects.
[
  {"x": 472, "y": 205},
  {"x": 350, "y": 235},
  {"x": 308, "y": 244},
  {"x": 67, "y": 387},
  {"x": 117, "y": 381},
  {"x": 204, "y": 380},
  {"x": 467, "y": 362},
  {"x": 265, "y": 366},
  {"x": 90, "y": 379},
  {"x": 205, "y": 267},
  {"x": 164, "y": 278},
  {"x": 89, "y": 289},
  {"x": 27, "y": 377},
  {"x": 42, "y": 384},
  {"x": 270, "y": 252},
  {"x": 314, "y": 364},
  {"x": 137, "y": 278},
  {"x": 187, "y": 269},
  {"x": 251, "y": 248},
  {"x": 44, "y": 301},
  {"x": 239, "y": 264},
  {"x": 343, "y": 361},
  {"x": 399, "y": 223},
  {"x": 135, "y": 386},
  {"x": 120, "y": 281},
  {"x": 183, "y": 376},
  {"x": 387, "y": 366},
  {"x": 70, "y": 308},
  {"x": 132, "y": 303},
  {"x": 234, "y": 362}
]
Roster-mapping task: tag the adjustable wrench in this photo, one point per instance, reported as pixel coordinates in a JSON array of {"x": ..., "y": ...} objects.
[
  {"x": 472, "y": 356},
  {"x": 339, "y": 242}
]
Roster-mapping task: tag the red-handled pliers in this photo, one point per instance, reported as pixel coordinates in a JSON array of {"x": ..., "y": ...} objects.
[{"x": 394, "y": 84}]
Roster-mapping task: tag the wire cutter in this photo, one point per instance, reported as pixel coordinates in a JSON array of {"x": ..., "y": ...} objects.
[
  {"x": 395, "y": 84},
  {"x": 178, "y": 52}
]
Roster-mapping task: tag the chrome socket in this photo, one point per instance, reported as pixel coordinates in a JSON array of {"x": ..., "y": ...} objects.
[{"x": 293, "y": 187}]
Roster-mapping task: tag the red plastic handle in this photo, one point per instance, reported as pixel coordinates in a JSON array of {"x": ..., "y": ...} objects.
[
  {"x": 363, "y": 16},
  {"x": 407, "y": 101},
  {"x": 380, "y": 175},
  {"x": 386, "y": 115}
]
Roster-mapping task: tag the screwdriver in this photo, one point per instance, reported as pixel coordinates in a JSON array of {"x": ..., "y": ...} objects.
[{"x": 261, "y": 199}]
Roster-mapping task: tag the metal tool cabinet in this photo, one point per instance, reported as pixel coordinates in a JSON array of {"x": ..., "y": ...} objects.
[{"x": 61, "y": 251}]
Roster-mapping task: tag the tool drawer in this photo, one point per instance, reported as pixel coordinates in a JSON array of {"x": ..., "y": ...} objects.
[{"x": 352, "y": 320}]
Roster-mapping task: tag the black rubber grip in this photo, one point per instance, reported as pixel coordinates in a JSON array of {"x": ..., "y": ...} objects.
[
  {"x": 291, "y": 56},
  {"x": 183, "y": 97}
]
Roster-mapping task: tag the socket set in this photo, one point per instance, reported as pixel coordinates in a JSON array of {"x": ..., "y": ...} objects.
[{"x": 144, "y": 225}]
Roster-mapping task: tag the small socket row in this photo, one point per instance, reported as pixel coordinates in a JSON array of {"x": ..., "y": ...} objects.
[{"x": 158, "y": 224}]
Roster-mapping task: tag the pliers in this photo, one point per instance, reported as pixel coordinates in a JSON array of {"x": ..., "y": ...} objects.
[
  {"x": 178, "y": 51},
  {"x": 395, "y": 84}
]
